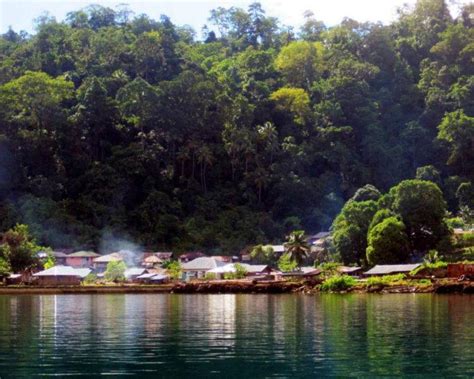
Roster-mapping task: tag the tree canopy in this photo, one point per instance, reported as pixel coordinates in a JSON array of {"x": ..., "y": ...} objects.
[{"x": 111, "y": 122}]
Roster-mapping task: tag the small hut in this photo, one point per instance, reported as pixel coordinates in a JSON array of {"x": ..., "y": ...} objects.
[
  {"x": 152, "y": 261},
  {"x": 61, "y": 275}
]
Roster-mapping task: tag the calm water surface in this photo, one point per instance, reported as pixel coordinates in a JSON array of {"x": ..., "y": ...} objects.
[{"x": 247, "y": 336}]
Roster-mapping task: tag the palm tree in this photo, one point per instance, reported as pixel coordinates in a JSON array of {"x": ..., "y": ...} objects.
[
  {"x": 296, "y": 246},
  {"x": 205, "y": 159}
]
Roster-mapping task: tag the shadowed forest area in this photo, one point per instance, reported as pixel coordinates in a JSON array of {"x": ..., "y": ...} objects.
[{"x": 120, "y": 125}]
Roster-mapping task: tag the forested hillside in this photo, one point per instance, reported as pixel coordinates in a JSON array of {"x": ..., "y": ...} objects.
[{"x": 118, "y": 124}]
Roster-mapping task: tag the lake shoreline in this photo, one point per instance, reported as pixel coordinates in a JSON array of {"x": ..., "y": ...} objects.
[{"x": 239, "y": 287}]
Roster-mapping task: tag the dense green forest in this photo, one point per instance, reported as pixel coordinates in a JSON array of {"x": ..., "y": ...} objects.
[{"x": 121, "y": 125}]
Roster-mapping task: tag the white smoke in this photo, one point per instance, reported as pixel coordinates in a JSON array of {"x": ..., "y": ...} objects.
[{"x": 111, "y": 243}]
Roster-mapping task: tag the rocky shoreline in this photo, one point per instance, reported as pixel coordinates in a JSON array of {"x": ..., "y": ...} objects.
[{"x": 240, "y": 287}]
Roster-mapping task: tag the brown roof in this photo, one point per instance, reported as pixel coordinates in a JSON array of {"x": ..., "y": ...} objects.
[
  {"x": 84, "y": 254},
  {"x": 153, "y": 259},
  {"x": 109, "y": 258},
  {"x": 192, "y": 255}
]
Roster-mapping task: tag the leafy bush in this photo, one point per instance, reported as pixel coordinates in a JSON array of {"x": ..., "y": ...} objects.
[
  {"x": 465, "y": 240},
  {"x": 115, "y": 271},
  {"x": 286, "y": 264},
  {"x": 329, "y": 269},
  {"x": 455, "y": 222},
  {"x": 338, "y": 283},
  {"x": 90, "y": 279},
  {"x": 429, "y": 266},
  {"x": 385, "y": 280},
  {"x": 174, "y": 269},
  {"x": 423, "y": 282},
  {"x": 210, "y": 276},
  {"x": 50, "y": 261},
  {"x": 240, "y": 272}
]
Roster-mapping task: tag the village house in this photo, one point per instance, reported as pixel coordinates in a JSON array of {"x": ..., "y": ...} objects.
[
  {"x": 461, "y": 270},
  {"x": 306, "y": 273},
  {"x": 132, "y": 273},
  {"x": 152, "y": 261},
  {"x": 101, "y": 262},
  {"x": 380, "y": 270},
  {"x": 188, "y": 257},
  {"x": 252, "y": 271},
  {"x": 351, "y": 271},
  {"x": 60, "y": 258},
  {"x": 197, "y": 268},
  {"x": 61, "y": 275},
  {"x": 81, "y": 259},
  {"x": 19, "y": 278},
  {"x": 163, "y": 255},
  {"x": 317, "y": 238},
  {"x": 152, "y": 278}
]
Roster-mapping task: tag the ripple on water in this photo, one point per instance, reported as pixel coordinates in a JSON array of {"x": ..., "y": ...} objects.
[{"x": 237, "y": 335}]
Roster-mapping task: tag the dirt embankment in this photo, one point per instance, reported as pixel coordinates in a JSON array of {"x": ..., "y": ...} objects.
[
  {"x": 239, "y": 286},
  {"x": 209, "y": 287}
]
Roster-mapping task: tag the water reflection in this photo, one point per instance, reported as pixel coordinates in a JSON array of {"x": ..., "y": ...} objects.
[{"x": 237, "y": 335}]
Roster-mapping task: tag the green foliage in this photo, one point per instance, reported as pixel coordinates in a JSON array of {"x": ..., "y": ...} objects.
[
  {"x": 338, "y": 283},
  {"x": 263, "y": 254},
  {"x": 5, "y": 268},
  {"x": 385, "y": 280},
  {"x": 296, "y": 247},
  {"x": 350, "y": 230},
  {"x": 210, "y": 276},
  {"x": 286, "y": 264},
  {"x": 329, "y": 269},
  {"x": 457, "y": 129},
  {"x": 50, "y": 261},
  {"x": 380, "y": 216},
  {"x": 301, "y": 62},
  {"x": 90, "y": 279},
  {"x": 431, "y": 257},
  {"x": 174, "y": 270},
  {"x": 422, "y": 208},
  {"x": 239, "y": 273},
  {"x": 115, "y": 122},
  {"x": 294, "y": 101},
  {"x": 455, "y": 222},
  {"x": 115, "y": 271},
  {"x": 429, "y": 267},
  {"x": 388, "y": 243},
  {"x": 18, "y": 249},
  {"x": 365, "y": 193},
  {"x": 429, "y": 173}
]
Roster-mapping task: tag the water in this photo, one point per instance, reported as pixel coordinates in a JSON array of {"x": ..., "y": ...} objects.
[{"x": 245, "y": 336}]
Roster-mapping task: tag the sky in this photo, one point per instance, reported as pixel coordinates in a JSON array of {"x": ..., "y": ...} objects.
[{"x": 19, "y": 14}]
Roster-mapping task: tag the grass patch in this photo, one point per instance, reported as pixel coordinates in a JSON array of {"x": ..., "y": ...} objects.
[
  {"x": 386, "y": 280},
  {"x": 338, "y": 283},
  {"x": 430, "y": 267}
]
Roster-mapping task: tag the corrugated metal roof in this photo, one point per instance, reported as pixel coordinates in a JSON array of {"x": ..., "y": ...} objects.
[
  {"x": 146, "y": 276},
  {"x": 202, "y": 264},
  {"x": 134, "y": 271},
  {"x": 114, "y": 257},
  {"x": 59, "y": 271},
  {"x": 83, "y": 272},
  {"x": 390, "y": 269},
  {"x": 231, "y": 268},
  {"x": 252, "y": 269},
  {"x": 348, "y": 269},
  {"x": 302, "y": 271},
  {"x": 84, "y": 254},
  {"x": 159, "y": 277},
  {"x": 59, "y": 254}
]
